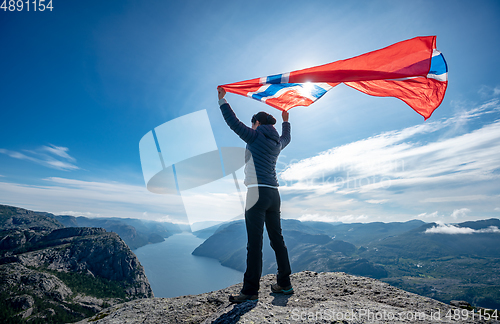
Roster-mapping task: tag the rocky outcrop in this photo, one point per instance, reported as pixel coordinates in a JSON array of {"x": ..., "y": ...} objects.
[
  {"x": 328, "y": 297},
  {"x": 94, "y": 252},
  {"x": 32, "y": 283},
  {"x": 34, "y": 294},
  {"x": 63, "y": 274}
]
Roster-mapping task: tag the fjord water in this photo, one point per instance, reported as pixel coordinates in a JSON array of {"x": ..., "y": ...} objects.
[{"x": 173, "y": 271}]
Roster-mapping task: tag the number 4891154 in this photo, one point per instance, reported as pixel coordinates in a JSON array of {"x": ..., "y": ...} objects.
[{"x": 20, "y": 5}]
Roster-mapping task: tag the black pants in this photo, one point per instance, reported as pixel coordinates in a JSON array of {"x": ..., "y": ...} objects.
[{"x": 264, "y": 210}]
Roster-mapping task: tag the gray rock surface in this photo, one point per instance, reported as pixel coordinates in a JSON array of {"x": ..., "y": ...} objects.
[
  {"x": 29, "y": 282},
  {"x": 21, "y": 302},
  {"x": 326, "y": 297}
]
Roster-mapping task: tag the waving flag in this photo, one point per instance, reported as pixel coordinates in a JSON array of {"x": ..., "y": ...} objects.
[{"x": 412, "y": 70}]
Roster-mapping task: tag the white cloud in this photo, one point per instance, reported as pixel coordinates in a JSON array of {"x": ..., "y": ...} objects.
[
  {"x": 64, "y": 196},
  {"x": 170, "y": 219},
  {"x": 449, "y": 229},
  {"x": 55, "y": 157},
  {"x": 377, "y": 201},
  {"x": 331, "y": 218},
  {"x": 431, "y": 165},
  {"x": 59, "y": 151},
  {"x": 428, "y": 216},
  {"x": 317, "y": 218},
  {"x": 460, "y": 213},
  {"x": 457, "y": 198},
  {"x": 92, "y": 198},
  {"x": 345, "y": 169},
  {"x": 393, "y": 153},
  {"x": 488, "y": 92},
  {"x": 79, "y": 213},
  {"x": 452, "y": 229}
]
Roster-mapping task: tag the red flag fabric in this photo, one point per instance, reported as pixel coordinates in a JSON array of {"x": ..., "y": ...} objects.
[{"x": 412, "y": 70}]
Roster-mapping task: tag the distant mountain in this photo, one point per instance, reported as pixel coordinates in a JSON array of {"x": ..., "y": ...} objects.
[
  {"x": 422, "y": 245},
  {"x": 20, "y": 219},
  {"x": 134, "y": 232},
  {"x": 203, "y": 225},
  {"x": 307, "y": 249},
  {"x": 209, "y": 231},
  {"x": 364, "y": 233},
  {"x": 51, "y": 273},
  {"x": 409, "y": 255},
  {"x": 206, "y": 232},
  {"x": 444, "y": 266}
]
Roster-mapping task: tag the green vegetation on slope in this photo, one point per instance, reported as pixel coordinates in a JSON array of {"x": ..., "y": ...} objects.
[{"x": 90, "y": 285}]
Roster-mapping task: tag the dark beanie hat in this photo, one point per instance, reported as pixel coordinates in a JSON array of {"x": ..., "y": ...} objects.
[{"x": 264, "y": 118}]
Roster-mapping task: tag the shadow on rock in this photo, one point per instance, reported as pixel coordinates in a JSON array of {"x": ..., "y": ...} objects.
[
  {"x": 280, "y": 299},
  {"x": 234, "y": 315}
]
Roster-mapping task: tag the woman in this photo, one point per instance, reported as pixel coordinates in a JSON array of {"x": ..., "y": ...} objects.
[{"x": 263, "y": 200}]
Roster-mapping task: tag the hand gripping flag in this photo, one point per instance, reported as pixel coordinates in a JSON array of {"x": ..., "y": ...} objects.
[{"x": 412, "y": 70}]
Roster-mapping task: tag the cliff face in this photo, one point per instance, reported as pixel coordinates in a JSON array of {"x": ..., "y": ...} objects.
[
  {"x": 66, "y": 274},
  {"x": 92, "y": 251},
  {"x": 328, "y": 297}
]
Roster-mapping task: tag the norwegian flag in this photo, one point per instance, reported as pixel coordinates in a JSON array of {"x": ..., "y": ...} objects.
[{"x": 412, "y": 70}]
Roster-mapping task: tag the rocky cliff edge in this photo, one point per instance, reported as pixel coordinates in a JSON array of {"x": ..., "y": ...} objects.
[{"x": 328, "y": 297}]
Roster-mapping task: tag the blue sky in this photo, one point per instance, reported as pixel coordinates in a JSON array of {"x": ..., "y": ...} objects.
[{"x": 81, "y": 85}]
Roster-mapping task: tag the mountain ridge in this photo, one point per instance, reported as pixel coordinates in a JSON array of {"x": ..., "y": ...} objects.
[{"x": 134, "y": 232}]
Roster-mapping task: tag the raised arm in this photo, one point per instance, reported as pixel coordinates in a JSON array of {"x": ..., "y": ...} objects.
[
  {"x": 246, "y": 133},
  {"x": 285, "y": 137}
]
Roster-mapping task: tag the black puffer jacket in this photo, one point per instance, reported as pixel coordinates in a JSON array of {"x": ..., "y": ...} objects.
[{"x": 264, "y": 144}]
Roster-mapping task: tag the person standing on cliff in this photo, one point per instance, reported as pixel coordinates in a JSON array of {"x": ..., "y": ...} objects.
[{"x": 263, "y": 199}]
